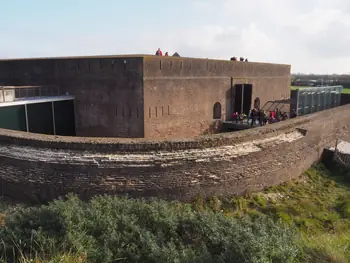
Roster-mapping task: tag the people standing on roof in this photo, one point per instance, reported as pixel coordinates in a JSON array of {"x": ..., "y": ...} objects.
[
  {"x": 159, "y": 52},
  {"x": 166, "y": 54},
  {"x": 240, "y": 59}
]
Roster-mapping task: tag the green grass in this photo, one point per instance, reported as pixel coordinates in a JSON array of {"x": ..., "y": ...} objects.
[
  {"x": 61, "y": 258},
  {"x": 318, "y": 205},
  {"x": 345, "y": 91},
  {"x": 305, "y": 220}
]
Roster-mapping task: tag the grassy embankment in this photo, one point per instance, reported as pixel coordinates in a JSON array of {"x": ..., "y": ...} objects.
[
  {"x": 301, "y": 221},
  {"x": 345, "y": 91}
]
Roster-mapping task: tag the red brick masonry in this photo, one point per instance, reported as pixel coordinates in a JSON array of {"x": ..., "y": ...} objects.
[{"x": 41, "y": 167}]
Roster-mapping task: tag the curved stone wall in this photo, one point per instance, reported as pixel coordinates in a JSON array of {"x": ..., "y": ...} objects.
[{"x": 39, "y": 167}]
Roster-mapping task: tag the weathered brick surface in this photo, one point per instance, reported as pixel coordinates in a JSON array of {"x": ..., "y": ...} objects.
[
  {"x": 148, "y": 96},
  {"x": 180, "y": 93},
  {"x": 108, "y": 90},
  {"x": 227, "y": 164}
]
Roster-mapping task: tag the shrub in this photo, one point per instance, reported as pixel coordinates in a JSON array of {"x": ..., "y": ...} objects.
[
  {"x": 109, "y": 228},
  {"x": 344, "y": 207}
]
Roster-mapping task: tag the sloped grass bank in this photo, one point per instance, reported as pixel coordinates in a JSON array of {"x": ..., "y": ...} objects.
[
  {"x": 318, "y": 205},
  {"x": 300, "y": 221}
]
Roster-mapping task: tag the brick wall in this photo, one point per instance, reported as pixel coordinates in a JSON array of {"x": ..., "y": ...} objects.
[
  {"x": 224, "y": 166},
  {"x": 148, "y": 96},
  {"x": 180, "y": 93},
  {"x": 108, "y": 90}
]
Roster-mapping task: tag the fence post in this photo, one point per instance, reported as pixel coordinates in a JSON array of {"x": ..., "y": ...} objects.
[{"x": 335, "y": 150}]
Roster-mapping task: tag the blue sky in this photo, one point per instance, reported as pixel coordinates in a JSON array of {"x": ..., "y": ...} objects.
[
  {"x": 27, "y": 26},
  {"x": 104, "y": 16},
  {"x": 312, "y": 36}
]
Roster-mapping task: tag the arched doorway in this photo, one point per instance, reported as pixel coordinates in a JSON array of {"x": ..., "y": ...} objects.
[{"x": 217, "y": 111}]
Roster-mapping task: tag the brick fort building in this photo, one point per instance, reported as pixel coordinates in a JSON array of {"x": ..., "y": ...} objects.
[{"x": 142, "y": 96}]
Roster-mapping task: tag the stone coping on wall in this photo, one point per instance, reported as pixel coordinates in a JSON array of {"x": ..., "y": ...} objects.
[
  {"x": 58, "y": 158},
  {"x": 97, "y": 144},
  {"x": 130, "y": 56},
  {"x": 211, "y": 59}
]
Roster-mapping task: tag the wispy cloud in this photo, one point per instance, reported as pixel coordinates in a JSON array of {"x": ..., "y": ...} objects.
[{"x": 313, "y": 35}]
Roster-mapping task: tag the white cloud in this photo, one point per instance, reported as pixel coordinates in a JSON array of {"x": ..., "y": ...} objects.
[{"x": 312, "y": 35}]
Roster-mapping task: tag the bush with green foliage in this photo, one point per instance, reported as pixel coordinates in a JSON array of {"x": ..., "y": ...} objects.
[
  {"x": 306, "y": 220},
  {"x": 109, "y": 229}
]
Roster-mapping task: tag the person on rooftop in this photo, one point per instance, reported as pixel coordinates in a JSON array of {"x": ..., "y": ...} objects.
[{"x": 159, "y": 52}]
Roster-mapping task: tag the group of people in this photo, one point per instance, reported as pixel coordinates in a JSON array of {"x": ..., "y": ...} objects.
[
  {"x": 240, "y": 59},
  {"x": 160, "y": 53},
  {"x": 262, "y": 117}
]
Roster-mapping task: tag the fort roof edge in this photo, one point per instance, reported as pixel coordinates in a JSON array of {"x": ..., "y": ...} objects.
[{"x": 144, "y": 56}]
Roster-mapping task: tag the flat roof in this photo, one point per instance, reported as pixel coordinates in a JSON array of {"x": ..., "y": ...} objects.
[
  {"x": 78, "y": 57},
  {"x": 322, "y": 88},
  {"x": 133, "y": 56},
  {"x": 35, "y": 100}
]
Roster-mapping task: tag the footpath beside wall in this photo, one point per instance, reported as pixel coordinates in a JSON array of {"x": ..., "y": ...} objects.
[{"x": 39, "y": 168}]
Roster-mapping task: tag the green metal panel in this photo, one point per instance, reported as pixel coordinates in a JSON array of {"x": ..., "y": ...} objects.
[
  {"x": 40, "y": 118},
  {"x": 300, "y": 103},
  {"x": 13, "y": 118},
  {"x": 64, "y": 118},
  {"x": 318, "y": 98}
]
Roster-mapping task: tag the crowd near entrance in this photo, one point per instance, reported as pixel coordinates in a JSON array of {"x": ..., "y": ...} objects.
[
  {"x": 257, "y": 116},
  {"x": 244, "y": 113}
]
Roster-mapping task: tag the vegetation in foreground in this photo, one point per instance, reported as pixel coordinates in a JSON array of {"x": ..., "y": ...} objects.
[{"x": 300, "y": 221}]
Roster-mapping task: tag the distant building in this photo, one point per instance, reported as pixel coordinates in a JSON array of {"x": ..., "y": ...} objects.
[{"x": 305, "y": 83}]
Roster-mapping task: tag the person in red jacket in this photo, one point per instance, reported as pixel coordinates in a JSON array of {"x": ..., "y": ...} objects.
[{"x": 159, "y": 52}]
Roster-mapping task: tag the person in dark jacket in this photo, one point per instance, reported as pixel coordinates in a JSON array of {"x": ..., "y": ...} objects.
[
  {"x": 159, "y": 52},
  {"x": 253, "y": 115}
]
